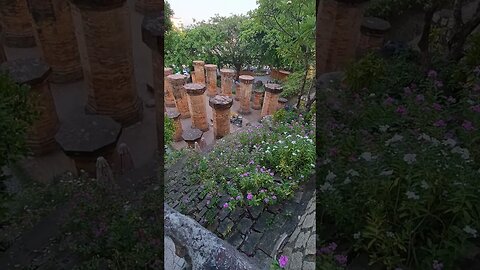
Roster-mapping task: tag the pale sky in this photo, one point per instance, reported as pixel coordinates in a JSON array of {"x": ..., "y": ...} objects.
[{"x": 200, "y": 10}]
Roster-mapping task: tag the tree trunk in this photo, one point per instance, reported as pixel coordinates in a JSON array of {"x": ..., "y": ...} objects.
[
  {"x": 238, "y": 68},
  {"x": 303, "y": 85},
  {"x": 424, "y": 42},
  {"x": 461, "y": 31}
]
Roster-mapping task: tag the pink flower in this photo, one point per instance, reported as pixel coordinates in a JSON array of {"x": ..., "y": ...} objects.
[
  {"x": 388, "y": 101},
  {"x": 249, "y": 196},
  {"x": 467, "y": 125},
  {"x": 274, "y": 197},
  {"x": 437, "y": 106},
  {"x": 283, "y": 261},
  {"x": 440, "y": 123},
  {"x": 401, "y": 110},
  {"x": 238, "y": 197},
  {"x": 225, "y": 205}
]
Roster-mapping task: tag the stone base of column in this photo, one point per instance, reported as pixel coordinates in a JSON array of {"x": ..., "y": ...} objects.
[
  {"x": 73, "y": 75},
  {"x": 126, "y": 117},
  {"x": 20, "y": 41},
  {"x": 41, "y": 147}
]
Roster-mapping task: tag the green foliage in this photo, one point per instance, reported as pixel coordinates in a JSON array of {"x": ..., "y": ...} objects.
[
  {"x": 389, "y": 8},
  {"x": 169, "y": 130},
  {"x": 293, "y": 85},
  {"x": 16, "y": 115}
]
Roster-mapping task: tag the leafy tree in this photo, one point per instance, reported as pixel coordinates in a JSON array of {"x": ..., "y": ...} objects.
[{"x": 16, "y": 115}]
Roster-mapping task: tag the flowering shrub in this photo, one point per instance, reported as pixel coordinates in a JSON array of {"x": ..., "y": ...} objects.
[
  {"x": 259, "y": 165},
  {"x": 329, "y": 259},
  {"x": 399, "y": 172}
]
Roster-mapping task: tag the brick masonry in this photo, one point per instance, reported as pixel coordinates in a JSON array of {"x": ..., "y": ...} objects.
[
  {"x": 221, "y": 115},
  {"x": 246, "y": 84},
  {"x": 178, "y": 81},
  {"x": 52, "y": 21},
  {"x": 148, "y": 6},
  {"x": 198, "y": 110},
  {"x": 107, "y": 62},
  {"x": 17, "y": 24},
  {"x": 169, "y": 98},
  {"x": 257, "y": 99},
  {"x": 227, "y": 76},
  {"x": 199, "y": 75},
  {"x": 211, "y": 79},
  {"x": 270, "y": 102}
]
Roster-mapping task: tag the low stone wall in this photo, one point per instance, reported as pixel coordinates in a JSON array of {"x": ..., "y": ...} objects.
[{"x": 200, "y": 248}]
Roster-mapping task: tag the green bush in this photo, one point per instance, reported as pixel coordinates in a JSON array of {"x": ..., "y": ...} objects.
[{"x": 169, "y": 130}]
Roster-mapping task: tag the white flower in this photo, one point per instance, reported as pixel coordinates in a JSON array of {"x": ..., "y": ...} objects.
[
  {"x": 462, "y": 151},
  {"x": 327, "y": 161},
  {"x": 330, "y": 176},
  {"x": 410, "y": 158},
  {"x": 412, "y": 195},
  {"x": 367, "y": 156},
  {"x": 386, "y": 173},
  {"x": 347, "y": 181},
  {"x": 326, "y": 187},
  {"x": 353, "y": 172},
  {"x": 470, "y": 231},
  {"x": 424, "y": 184},
  {"x": 390, "y": 234},
  {"x": 356, "y": 235},
  {"x": 293, "y": 142},
  {"x": 395, "y": 138},
  {"x": 450, "y": 142},
  {"x": 384, "y": 128}
]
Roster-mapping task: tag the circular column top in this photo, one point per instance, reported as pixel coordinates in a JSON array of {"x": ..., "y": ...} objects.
[
  {"x": 373, "y": 25},
  {"x": 195, "y": 89},
  {"x": 173, "y": 114},
  {"x": 258, "y": 90},
  {"x": 198, "y": 62},
  {"x": 246, "y": 79},
  {"x": 282, "y": 100},
  {"x": 220, "y": 102},
  {"x": 177, "y": 79},
  {"x": 30, "y": 71},
  {"x": 210, "y": 67},
  {"x": 167, "y": 72},
  {"x": 88, "y": 134},
  {"x": 227, "y": 72},
  {"x": 192, "y": 135},
  {"x": 273, "y": 88}
]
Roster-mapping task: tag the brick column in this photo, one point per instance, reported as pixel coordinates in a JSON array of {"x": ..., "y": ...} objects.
[
  {"x": 178, "y": 81},
  {"x": 199, "y": 67},
  {"x": 221, "y": 115},
  {"x": 373, "y": 32},
  {"x": 211, "y": 80},
  {"x": 197, "y": 105},
  {"x": 246, "y": 84},
  {"x": 169, "y": 98},
  {"x": 270, "y": 102},
  {"x": 192, "y": 136},
  {"x": 175, "y": 116},
  {"x": 53, "y": 24},
  {"x": 17, "y": 24},
  {"x": 257, "y": 99},
  {"x": 227, "y": 81},
  {"x": 238, "y": 91},
  {"x": 104, "y": 37},
  {"x": 34, "y": 73},
  {"x": 282, "y": 102},
  {"x": 149, "y": 6}
]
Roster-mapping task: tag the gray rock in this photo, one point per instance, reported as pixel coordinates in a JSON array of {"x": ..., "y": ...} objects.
[{"x": 244, "y": 225}]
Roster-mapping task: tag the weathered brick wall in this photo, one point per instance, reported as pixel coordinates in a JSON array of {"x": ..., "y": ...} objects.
[
  {"x": 53, "y": 24},
  {"x": 17, "y": 24},
  {"x": 148, "y": 6},
  {"x": 169, "y": 98},
  {"x": 105, "y": 45}
]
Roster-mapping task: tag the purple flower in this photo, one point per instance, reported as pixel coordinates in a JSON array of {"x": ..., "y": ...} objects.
[
  {"x": 249, "y": 196},
  {"x": 239, "y": 197},
  {"x": 467, "y": 125},
  {"x": 262, "y": 190},
  {"x": 208, "y": 202},
  {"x": 437, "y": 106},
  {"x": 225, "y": 205},
  {"x": 341, "y": 259},
  {"x": 432, "y": 74},
  {"x": 388, "y": 101},
  {"x": 451, "y": 99},
  {"x": 251, "y": 162},
  {"x": 266, "y": 200},
  {"x": 271, "y": 174},
  {"x": 274, "y": 197},
  {"x": 407, "y": 91},
  {"x": 420, "y": 98},
  {"x": 401, "y": 110},
  {"x": 330, "y": 248},
  {"x": 283, "y": 261},
  {"x": 440, "y": 123},
  {"x": 437, "y": 265},
  {"x": 438, "y": 84},
  {"x": 476, "y": 108}
]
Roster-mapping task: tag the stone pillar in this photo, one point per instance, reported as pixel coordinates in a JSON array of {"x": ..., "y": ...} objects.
[
  {"x": 104, "y": 38},
  {"x": 221, "y": 115},
  {"x": 227, "y": 81},
  {"x": 149, "y": 6},
  {"x": 199, "y": 67},
  {"x": 152, "y": 36},
  {"x": 246, "y": 85},
  {"x": 282, "y": 102},
  {"x": 178, "y": 81},
  {"x": 53, "y": 24},
  {"x": 17, "y": 24},
  {"x": 211, "y": 80},
  {"x": 373, "y": 32},
  {"x": 192, "y": 136},
  {"x": 270, "y": 102},
  {"x": 238, "y": 91},
  {"x": 3, "y": 56},
  {"x": 169, "y": 98},
  {"x": 34, "y": 73},
  {"x": 257, "y": 99},
  {"x": 197, "y": 105},
  {"x": 175, "y": 116},
  {"x": 338, "y": 24}
]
